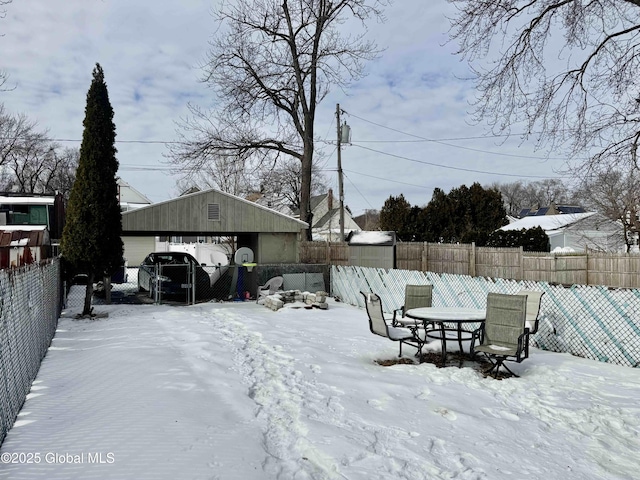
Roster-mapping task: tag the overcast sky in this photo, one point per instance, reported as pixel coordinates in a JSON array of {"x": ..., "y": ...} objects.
[{"x": 150, "y": 51}]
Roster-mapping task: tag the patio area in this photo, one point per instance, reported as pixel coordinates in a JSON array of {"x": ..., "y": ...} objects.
[{"x": 237, "y": 391}]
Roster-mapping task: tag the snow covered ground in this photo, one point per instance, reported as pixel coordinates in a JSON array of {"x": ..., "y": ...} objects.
[{"x": 237, "y": 391}]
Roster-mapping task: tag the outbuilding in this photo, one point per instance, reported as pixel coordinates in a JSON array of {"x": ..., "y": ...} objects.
[{"x": 271, "y": 235}]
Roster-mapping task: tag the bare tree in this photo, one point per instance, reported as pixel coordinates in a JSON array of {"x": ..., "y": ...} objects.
[
  {"x": 3, "y": 13},
  {"x": 512, "y": 196},
  {"x": 270, "y": 64},
  {"x": 284, "y": 181},
  {"x": 544, "y": 192},
  {"x": 616, "y": 195},
  {"x": 13, "y": 130},
  {"x": 229, "y": 174},
  {"x": 29, "y": 161},
  {"x": 566, "y": 69},
  {"x": 519, "y": 195}
]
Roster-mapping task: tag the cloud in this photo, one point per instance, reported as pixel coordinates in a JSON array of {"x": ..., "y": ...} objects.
[{"x": 150, "y": 52}]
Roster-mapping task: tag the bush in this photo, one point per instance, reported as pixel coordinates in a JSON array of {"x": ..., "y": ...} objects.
[{"x": 531, "y": 240}]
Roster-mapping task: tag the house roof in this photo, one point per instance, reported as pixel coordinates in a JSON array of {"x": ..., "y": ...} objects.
[
  {"x": 552, "y": 209},
  {"x": 27, "y": 236},
  {"x": 325, "y": 218},
  {"x": 313, "y": 203},
  {"x": 548, "y": 222},
  {"x": 18, "y": 200},
  {"x": 129, "y": 195}
]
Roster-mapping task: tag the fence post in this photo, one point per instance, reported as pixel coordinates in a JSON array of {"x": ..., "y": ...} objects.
[
  {"x": 106, "y": 283},
  {"x": 586, "y": 266},
  {"x": 328, "y": 253},
  {"x": 425, "y": 256},
  {"x": 521, "y": 253},
  {"x": 472, "y": 260}
]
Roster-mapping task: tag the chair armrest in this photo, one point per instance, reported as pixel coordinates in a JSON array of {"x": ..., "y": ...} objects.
[
  {"x": 476, "y": 335},
  {"x": 394, "y": 322}
]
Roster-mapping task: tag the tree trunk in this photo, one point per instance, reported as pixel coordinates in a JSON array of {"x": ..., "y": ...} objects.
[
  {"x": 89, "y": 294},
  {"x": 305, "y": 187}
]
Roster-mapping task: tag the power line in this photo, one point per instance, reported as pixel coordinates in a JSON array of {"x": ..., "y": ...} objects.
[
  {"x": 387, "y": 179},
  {"x": 423, "y": 162},
  {"x": 445, "y": 140},
  {"x": 358, "y": 190}
]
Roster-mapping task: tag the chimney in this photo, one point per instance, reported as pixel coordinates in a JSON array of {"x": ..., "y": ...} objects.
[{"x": 330, "y": 199}]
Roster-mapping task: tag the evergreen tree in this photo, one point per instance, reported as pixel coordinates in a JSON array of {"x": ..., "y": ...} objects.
[
  {"x": 464, "y": 215},
  {"x": 395, "y": 215},
  {"x": 91, "y": 240}
]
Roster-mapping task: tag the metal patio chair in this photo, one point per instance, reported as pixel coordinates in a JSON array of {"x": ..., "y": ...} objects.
[
  {"x": 381, "y": 326},
  {"x": 504, "y": 335},
  {"x": 534, "y": 300},
  {"x": 415, "y": 296}
]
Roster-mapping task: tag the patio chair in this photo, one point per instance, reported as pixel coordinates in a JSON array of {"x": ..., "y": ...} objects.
[
  {"x": 504, "y": 335},
  {"x": 269, "y": 288},
  {"x": 415, "y": 296},
  {"x": 380, "y": 326},
  {"x": 534, "y": 299}
]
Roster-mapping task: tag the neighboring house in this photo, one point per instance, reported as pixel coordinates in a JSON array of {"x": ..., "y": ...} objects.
[
  {"x": 23, "y": 244},
  {"x": 576, "y": 231},
  {"x": 552, "y": 209},
  {"x": 130, "y": 198},
  {"x": 33, "y": 209},
  {"x": 281, "y": 205},
  {"x": 325, "y": 222},
  {"x": 369, "y": 220},
  {"x": 325, "y": 211}
]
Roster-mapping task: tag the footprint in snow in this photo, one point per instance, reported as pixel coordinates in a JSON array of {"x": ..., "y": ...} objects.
[
  {"x": 500, "y": 414},
  {"x": 448, "y": 414}
]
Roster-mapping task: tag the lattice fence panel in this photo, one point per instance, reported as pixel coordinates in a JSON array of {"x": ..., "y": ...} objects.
[{"x": 587, "y": 321}]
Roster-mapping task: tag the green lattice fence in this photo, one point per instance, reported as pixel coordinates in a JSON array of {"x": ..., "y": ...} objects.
[{"x": 587, "y": 321}]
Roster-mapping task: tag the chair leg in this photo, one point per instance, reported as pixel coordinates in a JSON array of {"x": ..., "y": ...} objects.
[
  {"x": 509, "y": 370},
  {"x": 495, "y": 367}
]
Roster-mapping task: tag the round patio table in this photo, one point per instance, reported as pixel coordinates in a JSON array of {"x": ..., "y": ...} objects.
[{"x": 448, "y": 319}]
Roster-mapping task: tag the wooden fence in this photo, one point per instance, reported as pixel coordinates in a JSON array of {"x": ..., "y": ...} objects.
[{"x": 621, "y": 270}]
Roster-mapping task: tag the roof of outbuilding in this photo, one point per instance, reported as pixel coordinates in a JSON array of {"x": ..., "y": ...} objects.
[{"x": 191, "y": 213}]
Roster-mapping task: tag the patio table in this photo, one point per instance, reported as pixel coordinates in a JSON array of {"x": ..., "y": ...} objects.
[{"x": 448, "y": 319}]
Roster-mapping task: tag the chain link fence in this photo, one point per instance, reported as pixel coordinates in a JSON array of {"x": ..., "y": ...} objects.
[
  {"x": 207, "y": 283},
  {"x": 593, "y": 322},
  {"x": 30, "y": 305},
  {"x": 212, "y": 283}
]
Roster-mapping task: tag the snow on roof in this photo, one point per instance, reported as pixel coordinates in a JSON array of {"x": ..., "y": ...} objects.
[
  {"x": 547, "y": 222},
  {"x": 371, "y": 238},
  {"x": 22, "y": 228},
  {"x": 27, "y": 200}
]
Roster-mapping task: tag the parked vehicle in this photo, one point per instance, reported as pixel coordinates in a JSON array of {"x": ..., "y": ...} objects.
[{"x": 172, "y": 274}]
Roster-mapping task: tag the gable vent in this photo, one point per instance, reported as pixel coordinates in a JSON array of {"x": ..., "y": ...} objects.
[{"x": 213, "y": 211}]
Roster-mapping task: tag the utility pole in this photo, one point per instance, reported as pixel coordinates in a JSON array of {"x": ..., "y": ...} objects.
[{"x": 340, "y": 188}]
